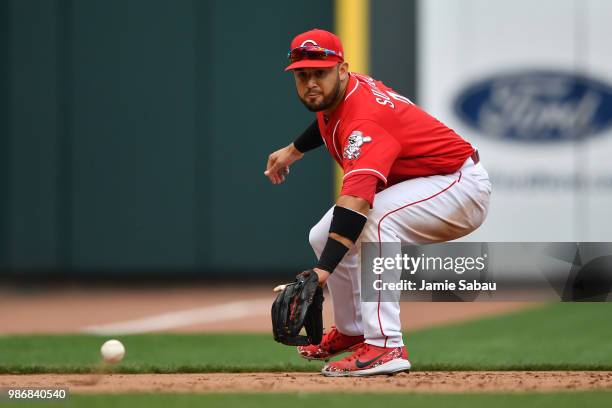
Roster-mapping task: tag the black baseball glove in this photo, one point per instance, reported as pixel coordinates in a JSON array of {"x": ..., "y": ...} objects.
[{"x": 299, "y": 304}]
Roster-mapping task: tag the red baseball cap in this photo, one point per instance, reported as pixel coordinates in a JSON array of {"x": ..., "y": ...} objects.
[{"x": 321, "y": 39}]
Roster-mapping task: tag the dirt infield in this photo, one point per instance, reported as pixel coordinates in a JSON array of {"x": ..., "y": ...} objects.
[
  {"x": 246, "y": 309},
  {"x": 440, "y": 381}
]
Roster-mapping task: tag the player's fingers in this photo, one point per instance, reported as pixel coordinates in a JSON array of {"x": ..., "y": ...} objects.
[
  {"x": 272, "y": 166},
  {"x": 271, "y": 174},
  {"x": 275, "y": 167},
  {"x": 277, "y": 173},
  {"x": 280, "y": 174},
  {"x": 271, "y": 160}
]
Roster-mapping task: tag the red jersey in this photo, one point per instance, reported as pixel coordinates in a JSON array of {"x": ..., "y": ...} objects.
[{"x": 375, "y": 131}]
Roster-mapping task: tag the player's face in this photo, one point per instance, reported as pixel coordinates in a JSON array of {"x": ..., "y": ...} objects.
[{"x": 318, "y": 88}]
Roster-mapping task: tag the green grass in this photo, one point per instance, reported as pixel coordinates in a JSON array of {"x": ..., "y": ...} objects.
[
  {"x": 308, "y": 400},
  {"x": 572, "y": 336},
  {"x": 562, "y": 336}
]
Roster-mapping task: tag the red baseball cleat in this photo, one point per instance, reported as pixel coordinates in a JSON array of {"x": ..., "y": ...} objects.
[
  {"x": 369, "y": 360},
  {"x": 332, "y": 344}
]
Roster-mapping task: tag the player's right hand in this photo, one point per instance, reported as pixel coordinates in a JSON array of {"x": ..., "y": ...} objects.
[{"x": 279, "y": 162}]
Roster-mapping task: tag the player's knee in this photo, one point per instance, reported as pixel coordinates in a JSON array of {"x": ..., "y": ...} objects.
[{"x": 317, "y": 238}]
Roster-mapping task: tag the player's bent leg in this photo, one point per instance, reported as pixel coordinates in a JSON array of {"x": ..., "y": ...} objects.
[
  {"x": 345, "y": 290},
  {"x": 344, "y": 284},
  {"x": 383, "y": 351},
  {"x": 319, "y": 233},
  {"x": 382, "y": 327},
  {"x": 422, "y": 210},
  {"x": 432, "y": 209}
]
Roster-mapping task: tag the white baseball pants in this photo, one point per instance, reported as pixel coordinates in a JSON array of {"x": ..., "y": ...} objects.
[{"x": 421, "y": 210}]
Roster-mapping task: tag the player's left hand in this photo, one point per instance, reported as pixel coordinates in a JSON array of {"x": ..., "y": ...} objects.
[
  {"x": 299, "y": 305},
  {"x": 322, "y": 277},
  {"x": 321, "y": 274}
]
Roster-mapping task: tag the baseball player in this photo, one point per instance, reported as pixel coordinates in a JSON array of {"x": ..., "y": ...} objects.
[{"x": 407, "y": 179}]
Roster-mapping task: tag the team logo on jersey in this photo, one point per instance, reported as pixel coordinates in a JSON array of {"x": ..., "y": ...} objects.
[
  {"x": 355, "y": 141},
  {"x": 537, "y": 106}
]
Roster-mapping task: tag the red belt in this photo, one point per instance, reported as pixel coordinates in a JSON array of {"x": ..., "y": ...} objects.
[{"x": 475, "y": 157}]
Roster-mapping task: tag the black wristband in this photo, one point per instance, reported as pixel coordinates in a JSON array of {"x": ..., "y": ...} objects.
[
  {"x": 310, "y": 139},
  {"x": 347, "y": 223},
  {"x": 331, "y": 256}
]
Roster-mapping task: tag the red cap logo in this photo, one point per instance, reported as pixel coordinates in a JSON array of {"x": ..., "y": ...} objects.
[{"x": 314, "y": 49}]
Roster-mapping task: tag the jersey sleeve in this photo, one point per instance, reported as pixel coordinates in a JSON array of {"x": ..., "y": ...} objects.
[
  {"x": 362, "y": 185},
  {"x": 367, "y": 148}
]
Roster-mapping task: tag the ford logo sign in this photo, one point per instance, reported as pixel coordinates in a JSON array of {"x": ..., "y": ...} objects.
[{"x": 537, "y": 106}]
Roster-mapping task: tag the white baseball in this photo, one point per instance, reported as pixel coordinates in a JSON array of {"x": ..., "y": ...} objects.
[{"x": 112, "y": 351}]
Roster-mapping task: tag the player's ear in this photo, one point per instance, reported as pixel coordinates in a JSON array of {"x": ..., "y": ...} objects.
[{"x": 343, "y": 70}]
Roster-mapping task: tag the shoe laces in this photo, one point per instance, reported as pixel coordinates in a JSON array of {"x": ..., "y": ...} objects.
[
  {"x": 359, "y": 352},
  {"x": 333, "y": 336}
]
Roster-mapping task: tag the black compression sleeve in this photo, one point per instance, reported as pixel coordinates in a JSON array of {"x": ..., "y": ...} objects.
[
  {"x": 331, "y": 256},
  {"x": 348, "y": 224},
  {"x": 310, "y": 139}
]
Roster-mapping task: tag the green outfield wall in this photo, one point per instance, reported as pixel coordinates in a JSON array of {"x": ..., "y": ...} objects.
[{"x": 134, "y": 135}]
